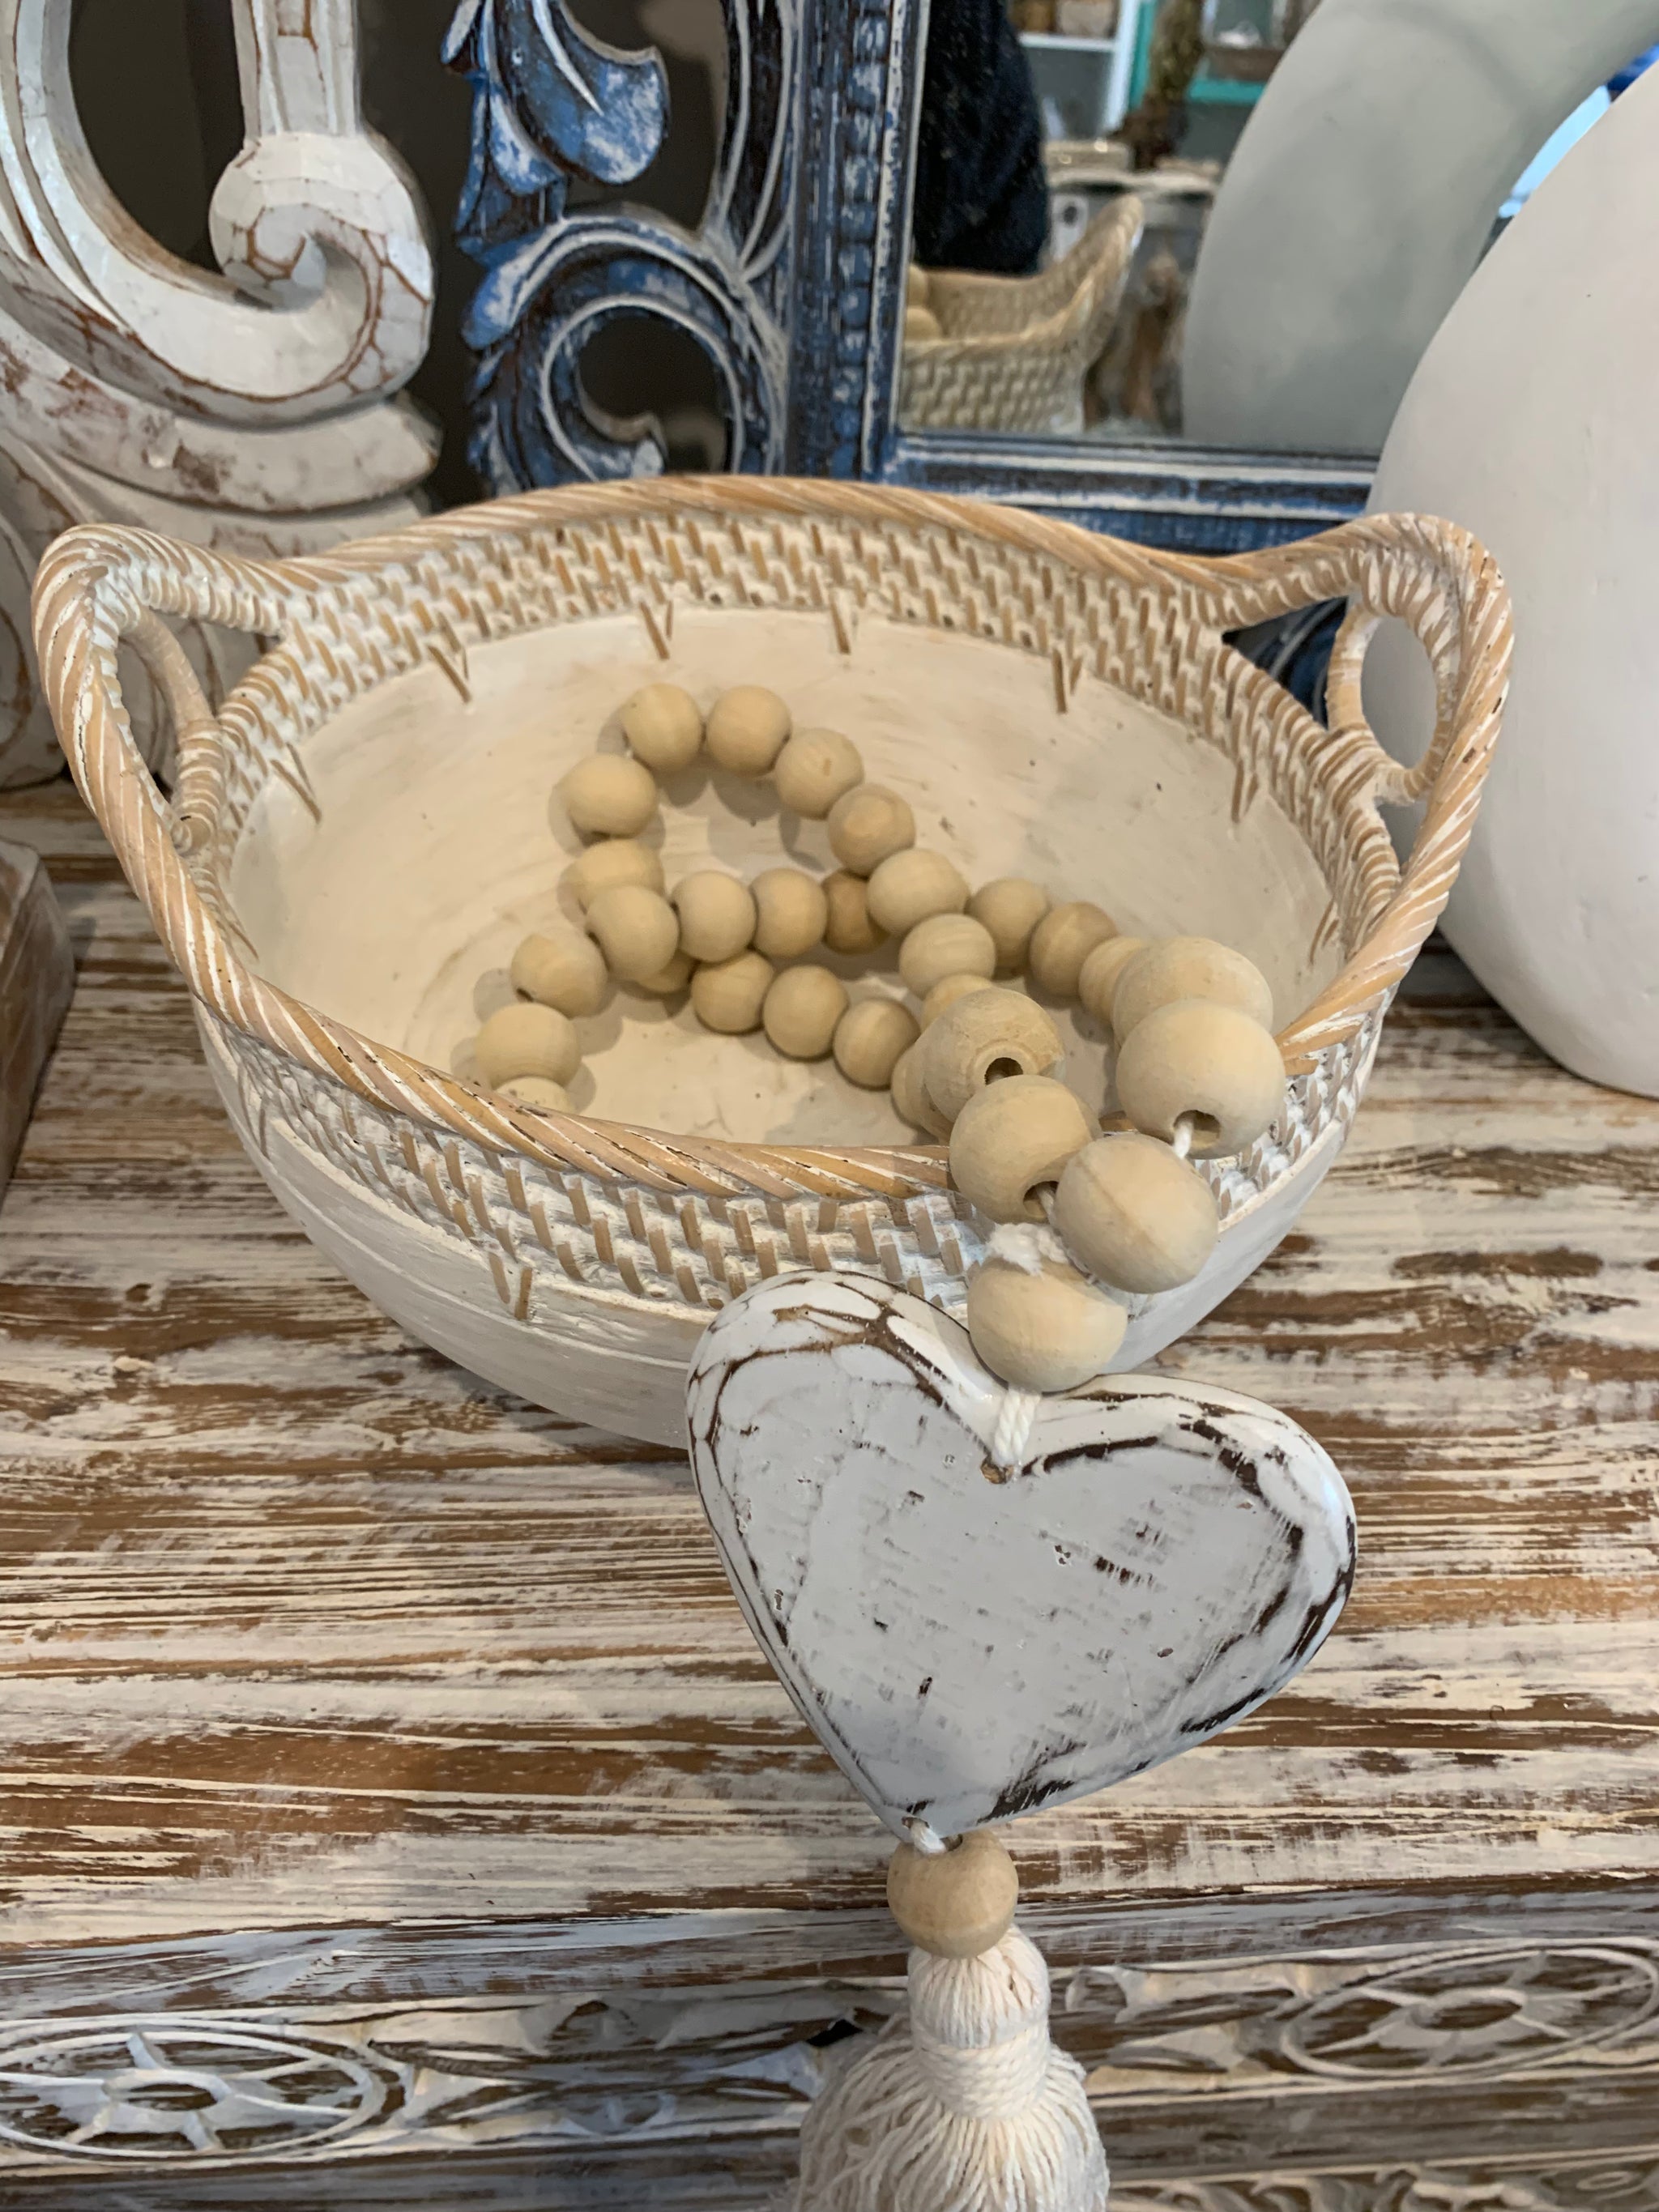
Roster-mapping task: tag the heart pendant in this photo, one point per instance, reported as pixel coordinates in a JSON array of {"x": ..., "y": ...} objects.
[{"x": 970, "y": 1638}]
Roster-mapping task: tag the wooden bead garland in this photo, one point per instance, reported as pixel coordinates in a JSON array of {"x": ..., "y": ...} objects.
[
  {"x": 609, "y": 795},
  {"x": 717, "y": 914},
  {"x": 802, "y": 1009},
  {"x": 871, "y": 1038},
  {"x": 814, "y": 770},
  {"x": 663, "y": 726},
  {"x": 566, "y": 971},
  {"x": 746, "y": 729},
  {"x": 791, "y": 911},
  {"x": 1081, "y": 1217}
]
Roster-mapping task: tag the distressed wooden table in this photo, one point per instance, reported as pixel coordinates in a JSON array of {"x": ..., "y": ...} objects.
[{"x": 396, "y": 1806}]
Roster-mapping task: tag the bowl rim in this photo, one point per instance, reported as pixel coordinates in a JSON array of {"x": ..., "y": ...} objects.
[{"x": 100, "y": 584}]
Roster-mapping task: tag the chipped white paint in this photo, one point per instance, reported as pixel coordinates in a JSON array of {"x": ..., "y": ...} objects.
[
  {"x": 250, "y": 404},
  {"x": 971, "y": 1644}
]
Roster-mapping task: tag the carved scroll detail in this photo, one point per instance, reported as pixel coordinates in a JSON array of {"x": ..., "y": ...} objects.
[
  {"x": 241, "y": 409},
  {"x": 551, "y": 105}
]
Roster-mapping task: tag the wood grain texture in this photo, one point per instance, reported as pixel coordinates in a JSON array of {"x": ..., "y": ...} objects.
[
  {"x": 339, "y": 1688},
  {"x": 982, "y": 1600},
  {"x": 37, "y": 975}
]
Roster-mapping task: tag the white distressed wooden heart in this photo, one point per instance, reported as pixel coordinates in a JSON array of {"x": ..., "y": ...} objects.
[{"x": 972, "y": 1641}]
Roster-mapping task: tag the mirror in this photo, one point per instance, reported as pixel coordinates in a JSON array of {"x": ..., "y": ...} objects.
[{"x": 1224, "y": 224}]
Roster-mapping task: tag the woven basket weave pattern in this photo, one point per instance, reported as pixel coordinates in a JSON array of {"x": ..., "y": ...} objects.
[{"x": 552, "y": 1199}]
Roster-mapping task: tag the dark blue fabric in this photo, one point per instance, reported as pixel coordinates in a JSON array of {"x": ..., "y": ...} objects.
[{"x": 981, "y": 196}]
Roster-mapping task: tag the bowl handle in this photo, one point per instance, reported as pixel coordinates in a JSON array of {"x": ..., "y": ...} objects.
[{"x": 1444, "y": 585}]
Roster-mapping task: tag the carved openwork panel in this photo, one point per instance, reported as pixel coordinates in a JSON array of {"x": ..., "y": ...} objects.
[{"x": 551, "y": 105}]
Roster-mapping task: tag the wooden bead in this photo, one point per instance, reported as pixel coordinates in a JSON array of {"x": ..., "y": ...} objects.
[
  {"x": 1010, "y": 909},
  {"x": 1195, "y": 1057},
  {"x": 957, "y": 1903},
  {"x": 868, "y": 823},
  {"x": 539, "y": 1091},
  {"x": 565, "y": 970},
  {"x": 870, "y": 1038},
  {"x": 618, "y": 860},
  {"x": 674, "y": 977},
  {"x": 1048, "y": 1330},
  {"x": 985, "y": 1037},
  {"x": 717, "y": 914},
  {"x": 609, "y": 795},
  {"x": 663, "y": 726},
  {"x": 1063, "y": 940},
  {"x": 746, "y": 729},
  {"x": 639, "y": 931},
  {"x": 911, "y": 1100},
  {"x": 814, "y": 770},
  {"x": 801, "y": 1011},
  {"x": 527, "y": 1040},
  {"x": 1013, "y": 1138},
  {"x": 947, "y": 991},
  {"x": 1190, "y": 968},
  {"x": 728, "y": 996},
  {"x": 909, "y": 887},
  {"x": 1130, "y": 1212},
  {"x": 1097, "y": 978},
  {"x": 946, "y": 944},
  {"x": 850, "y": 928},
  {"x": 791, "y": 910},
  {"x": 922, "y": 323}
]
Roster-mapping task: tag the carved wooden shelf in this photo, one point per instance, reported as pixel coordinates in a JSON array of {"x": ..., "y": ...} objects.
[{"x": 364, "y": 1723}]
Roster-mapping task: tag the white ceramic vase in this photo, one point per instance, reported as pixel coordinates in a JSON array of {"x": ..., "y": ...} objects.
[
  {"x": 1361, "y": 196},
  {"x": 1533, "y": 419}
]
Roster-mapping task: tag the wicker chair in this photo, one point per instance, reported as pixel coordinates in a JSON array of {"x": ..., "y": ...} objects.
[{"x": 1014, "y": 350}]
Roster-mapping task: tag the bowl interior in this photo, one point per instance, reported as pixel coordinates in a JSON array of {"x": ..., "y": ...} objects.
[{"x": 442, "y": 842}]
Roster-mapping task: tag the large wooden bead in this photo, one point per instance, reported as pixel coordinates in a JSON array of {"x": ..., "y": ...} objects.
[
  {"x": 717, "y": 914},
  {"x": 910, "y": 886},
  {"x": 814, "y": 770},
  {"x": 945, "y": 993},
  {"x": 746, "y": 729},
  {"x": 867, "y": 824},
  {"x": 849, "y": 927},
  {"x": 911, "y": 1100},
  {"x": 1048, "y": 1329},
  {"x": 639, "y": 931},
  {"x": 1097, "y": 978},
  {"x": 1131, "y": 1212},
  {"x": 1190, "y": 968},
  {"x": 609, "y": 795},
  {"x": 668, "y": 979},
  {"x": 525, "y": 1039},
  {"x": 957, "y": 1903},
  {"x": 946, "y": 944},
  {"x": 1063, "y": 940},
  {"x": 1010, "y": 909},
  {"x": 663, "y": 725},
  {"x": 617, "y": 860},
  {"x": 565, "y": 970},
  {"x": 870, "y": 1038},
  {"x": 1012, "y": 1140},
  {"x": 728, "y": 996},
  {"x": 802, "y": 1009},
  {"x": 987, "y": 1036},
  {"x": 539, "y": 1091},
  {"x": 1210, "y": 1063},
  {"x": 791, "y": 909}
]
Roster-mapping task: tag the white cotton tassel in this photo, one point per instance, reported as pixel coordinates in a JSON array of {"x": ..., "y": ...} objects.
[{"x": 964, "y": 2106}]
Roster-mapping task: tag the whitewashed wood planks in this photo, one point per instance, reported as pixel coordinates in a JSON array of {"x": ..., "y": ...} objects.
[{"x": 302, "y": 1626}]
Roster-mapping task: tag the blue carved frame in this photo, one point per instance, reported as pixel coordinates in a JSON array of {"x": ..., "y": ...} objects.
[{"x": 793, "y": 284}]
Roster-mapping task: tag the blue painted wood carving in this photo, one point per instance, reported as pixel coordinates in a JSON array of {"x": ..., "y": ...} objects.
[
  {"x": 793, "y": 285},
  {"x": 550, "y": 105}
]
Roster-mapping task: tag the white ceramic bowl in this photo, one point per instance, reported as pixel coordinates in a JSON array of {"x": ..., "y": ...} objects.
[{"x": 353, "y": 845}]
